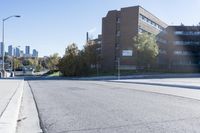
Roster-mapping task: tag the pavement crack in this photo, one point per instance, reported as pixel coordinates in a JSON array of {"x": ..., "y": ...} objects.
[{"x": 21, "y": 119}]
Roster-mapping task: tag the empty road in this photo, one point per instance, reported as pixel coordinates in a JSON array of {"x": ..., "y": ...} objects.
[{"x": 108, "y": 107}]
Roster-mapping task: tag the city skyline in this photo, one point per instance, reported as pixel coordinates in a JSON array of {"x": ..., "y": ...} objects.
[
  {"x": 18, "y": 51},
  {"x": 52, "y": 33}
]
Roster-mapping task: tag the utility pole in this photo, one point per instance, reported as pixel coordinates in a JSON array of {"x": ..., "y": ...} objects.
[
  {"x": 118, "y": 62},
  {"x": 3, "y": 54}
]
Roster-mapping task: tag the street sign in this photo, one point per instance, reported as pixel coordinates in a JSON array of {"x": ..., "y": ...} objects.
[{"x": 127, "y": 53}]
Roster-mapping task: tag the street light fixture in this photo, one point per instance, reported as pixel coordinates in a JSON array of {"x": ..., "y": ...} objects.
[{"x": 3, "y": 54}]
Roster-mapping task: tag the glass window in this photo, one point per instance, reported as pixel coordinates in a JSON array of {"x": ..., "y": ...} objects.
[
  {"x": 118, "y": 20},
  {"x": 150, "y": 22},
  {"x": 118, "y": 33}
]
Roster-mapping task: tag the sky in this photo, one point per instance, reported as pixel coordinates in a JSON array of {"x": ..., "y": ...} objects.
[{"x": 50, "y": 25}]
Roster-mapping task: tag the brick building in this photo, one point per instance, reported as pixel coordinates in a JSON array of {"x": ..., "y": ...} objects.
[
  {"x": 118, "y": 30},
  {"x": 180, "y": 48}
]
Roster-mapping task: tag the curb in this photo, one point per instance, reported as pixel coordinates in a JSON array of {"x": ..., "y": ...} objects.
[
  {"x": 8, "y": 121},
  {"x": 29, "y": 118}
]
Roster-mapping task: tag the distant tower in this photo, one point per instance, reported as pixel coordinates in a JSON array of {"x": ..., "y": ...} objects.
[
  {"x": 10, "y": 50},
  {"x": 87, "y": 37},
  {"x": 17, "y": 52},
  {"x": 35, "y": 53},
  {"x": 27, "y": 51},
  {"x": 1, "y": 49}
]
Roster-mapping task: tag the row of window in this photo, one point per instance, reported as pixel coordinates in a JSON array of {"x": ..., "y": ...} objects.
[
  {"x": 194, "y": 33},
  {"x": 160, "y": 40},
  {"x": 187, "y": 42},
  {"x": 179, "y": 52},
  {"x": 140, "y": 30},
  {"x": 152, "y": 23},
  {"x": 186, "y": 62}
]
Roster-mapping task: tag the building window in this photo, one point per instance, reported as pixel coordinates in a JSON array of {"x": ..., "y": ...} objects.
[
  {"x": 161, "y": 40},
  {"x": 162, "y": 51},
  {"x": 118, "y": 20},
  {"x": 140, "y": 31},
  {"x": 187, "y": 42},
  {"x": 118, "y": 33},
  {"x": 150, "y": 22},
  {"x": 183, "y": 53},
  {"x": 194, "y": 33},
  {"x": 116, "y": 45}
]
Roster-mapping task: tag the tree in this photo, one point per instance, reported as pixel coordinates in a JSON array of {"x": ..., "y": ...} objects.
[
  {"x": 67, "y": 64},
  {"x": 17, "y": 63},
  {"x": 90, "y": 54},
  {"x": 146, "y": 49},
  {"x": 73, "y": 63},
  {"x": 52, "y": 62}
]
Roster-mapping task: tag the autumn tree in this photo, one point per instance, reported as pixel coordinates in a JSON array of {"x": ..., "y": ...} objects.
[{"x": 146, "y": 49}]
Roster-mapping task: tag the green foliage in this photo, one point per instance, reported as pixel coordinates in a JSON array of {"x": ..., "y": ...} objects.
[
  {"x": 17, "y": 63},
  {"x": 146, "y": 50},
  {"x": 74, "y": 62},
  {"x": 90, "y": 53},
  {"x": 52, "y": 61}
]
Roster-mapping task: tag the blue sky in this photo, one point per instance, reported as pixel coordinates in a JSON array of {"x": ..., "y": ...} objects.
[{"x": 50, "y": 25}]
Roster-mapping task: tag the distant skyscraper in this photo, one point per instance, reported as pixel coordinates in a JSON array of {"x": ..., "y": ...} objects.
[
  {"x": 14, "y": 52},
  {"x": 35, "y": 53},
  {"x": 27, "y": 51},
  {"x": 10, "y": 50},
  {"x": 17, "y": 52},
  {"x": 1, "y": 49},
  {"x": 21, "y": 53}
]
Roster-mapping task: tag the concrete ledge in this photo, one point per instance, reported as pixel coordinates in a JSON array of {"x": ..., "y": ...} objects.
[
  {"x": 28, "y": 118},
  {"x": 8, "y": 121}
]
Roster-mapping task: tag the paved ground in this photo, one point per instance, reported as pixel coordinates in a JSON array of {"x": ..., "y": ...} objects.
[
  {"x": 109, "y": 107},
  {"x": 28, "y": 121},
  {"x": 7, "y": 90},
  {"x": 10, "y": 100}
]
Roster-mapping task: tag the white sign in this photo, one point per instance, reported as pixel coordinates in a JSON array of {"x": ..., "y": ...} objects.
[{"x": 127, "y": 53}]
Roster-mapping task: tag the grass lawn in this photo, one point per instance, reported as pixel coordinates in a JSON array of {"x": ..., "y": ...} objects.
[{"x": 55, "y": 74}]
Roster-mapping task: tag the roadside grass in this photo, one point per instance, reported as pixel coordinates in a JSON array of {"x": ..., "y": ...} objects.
[
  {"x": 55, "y": 74},
  {"x": 122, "y": 73}
]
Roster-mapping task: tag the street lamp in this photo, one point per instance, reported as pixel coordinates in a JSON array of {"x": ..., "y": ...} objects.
[{"x": 3, "y": 54}]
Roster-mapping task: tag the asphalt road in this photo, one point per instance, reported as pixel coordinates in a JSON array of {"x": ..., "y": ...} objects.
[{"x": 109, "y": 107}]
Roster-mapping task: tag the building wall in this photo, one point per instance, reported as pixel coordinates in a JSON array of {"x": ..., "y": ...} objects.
[
  {"x": 109, "y": 40},
  {"x": 118, "y": 30},
  {"x": 182, "y": 50},
  {"x": 128, "y": 29}
]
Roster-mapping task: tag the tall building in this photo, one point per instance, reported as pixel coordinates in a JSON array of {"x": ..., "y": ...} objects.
[
  {"x": 118, "y": 30},
  {"x": 180, "y": 48},
  {"x": 10, "y": 50},
  {"x": 35, "y": 53},
  {"x": 17, "y": 52},
  {"x": 27, "y": 51},
  {"x": 1, "y": 49},
  {"x": 21, "y": 53}
]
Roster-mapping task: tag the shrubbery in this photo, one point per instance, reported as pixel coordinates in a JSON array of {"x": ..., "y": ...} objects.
[{"x": 77, "y": 62}]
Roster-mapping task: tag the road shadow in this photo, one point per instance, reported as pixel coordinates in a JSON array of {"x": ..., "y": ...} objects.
[
  {"x": 159, "y": 84},
  {"x": 105, "y": 78}
]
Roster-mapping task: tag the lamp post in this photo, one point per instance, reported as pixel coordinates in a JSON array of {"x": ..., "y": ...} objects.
[{"x": 3, "y": 54}]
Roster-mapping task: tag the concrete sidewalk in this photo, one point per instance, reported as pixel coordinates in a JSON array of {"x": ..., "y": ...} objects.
[
  {"x": 183, "y": 87},
  {"x": 11, "y": 93},
  {"x": 28, "y": 121}
]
